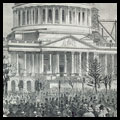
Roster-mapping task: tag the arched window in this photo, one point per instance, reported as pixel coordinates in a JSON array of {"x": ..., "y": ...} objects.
[
  {"x": 29, "y": 86},
  {"x": 70, "y": 17},
  {"x": 21, "y": 85},
  {"x": 56, "y": 16},
  {"x": 63, "y": 16},
  {"x": 23, "y": 18},
  {"x": 79, "y": 17},
  {"x": 19, "y": 18},
  {"x": 27, "y": 16},
  {"x": 13, "y": 86},
  {"x": 36, "y": 19},
  {"x": 43, "y": 15},
  {"x": 49, "y": 15}
]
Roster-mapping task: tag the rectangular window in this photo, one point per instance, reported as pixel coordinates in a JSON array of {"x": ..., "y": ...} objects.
[
  {"x": 63, "y": 16},
  {"x": 50, "y": 16},
  {"x": 79, "y": 15},
  {"x": 83, "y": 15},
  {"x": 56, "y": 16},
  {"x": 28, "y": 16},
  {"x": 23, "y": 18},
  {"x": 70, "y": 17},
  {"x": 36, "y": 16},
  {"x": 73, "y": 17},
  {"x": 43, "y": 15},
  {"x": 19, "y": 18}
]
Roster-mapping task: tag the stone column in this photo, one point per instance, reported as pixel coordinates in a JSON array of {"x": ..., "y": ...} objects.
[
  {"x": 75, "y": 63},
  {"x": 17, "y": 74},
  {"x": 72, "y": 63},
  {"x": 85, "y": 17},
  {"x": 68, "y": 16},
  {"x": 42, "y": 63},
  {"x": 50, "y": 63},
  {"x": 65, "y": 64},
  {"x": 60, "y": 15},
  {"x": 75, "y": 16},
  {"x": 33, "y": 65},
  {"x": 34, "y": 15},
  {"x": 87, "y": 63},
  {"x": 14, "y": 21},
  {"x": 16, "y": 18},
  {"x": 46, "y": 17},
  {"x": 80, "y": 65},
  {"x": 53, "y": 15},
  {"x": 90, "y": 18},
  {"x": 105, "y": 64},
  {"x": 21, "y": 17},
  {"x": 25, "y": 60},
  {"x": 30, "y": 22},
  {"x": 25, "y": 16},
  {"x": 81, "y": 15},
  {"x": 39, "y": 17},
  {"x": 113, "y": 65},
  {"x": 58, "y": 71},
  {"x": 31, "y": 15}
]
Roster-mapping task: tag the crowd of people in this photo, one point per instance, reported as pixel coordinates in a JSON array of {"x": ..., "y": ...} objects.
[{"x": 64, "y": 105}]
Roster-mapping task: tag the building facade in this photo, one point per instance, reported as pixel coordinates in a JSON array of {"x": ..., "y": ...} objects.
[{"x": 52, "y": 39}]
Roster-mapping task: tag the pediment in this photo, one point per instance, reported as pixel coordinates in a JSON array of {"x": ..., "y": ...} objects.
[{"x": 69, "y": 42}]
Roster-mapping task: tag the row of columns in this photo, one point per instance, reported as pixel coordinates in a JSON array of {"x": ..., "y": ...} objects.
[
  {"x": 65, "y": 63},
  {"x": 84, "y": 20}
]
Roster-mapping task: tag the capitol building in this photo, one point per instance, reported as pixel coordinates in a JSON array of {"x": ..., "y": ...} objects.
[{"x": 56, "y": 40}]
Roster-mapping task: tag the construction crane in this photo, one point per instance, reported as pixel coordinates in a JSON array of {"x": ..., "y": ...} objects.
[{"x": 114, "y": 28}]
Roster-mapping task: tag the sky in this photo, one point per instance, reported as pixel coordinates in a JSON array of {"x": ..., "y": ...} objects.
[{"x": 106, "y": 11}]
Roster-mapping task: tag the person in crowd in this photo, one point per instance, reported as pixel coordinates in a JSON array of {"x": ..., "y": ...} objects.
[{"x": 89, "y": 113}]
